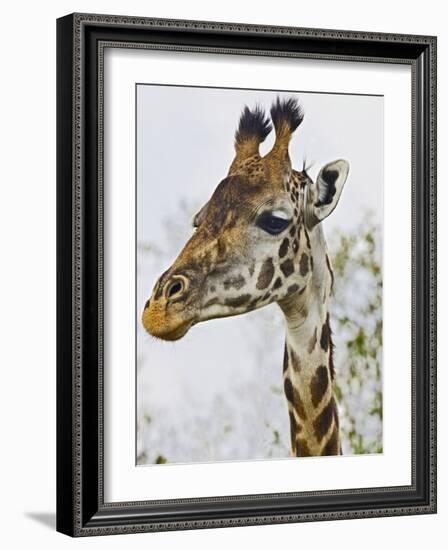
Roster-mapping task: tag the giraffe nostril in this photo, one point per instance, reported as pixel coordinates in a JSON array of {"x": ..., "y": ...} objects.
[{"x": 175, "y": 288}]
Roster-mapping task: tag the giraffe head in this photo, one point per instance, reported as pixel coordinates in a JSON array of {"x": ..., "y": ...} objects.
[{"x": 251, "y": 244}]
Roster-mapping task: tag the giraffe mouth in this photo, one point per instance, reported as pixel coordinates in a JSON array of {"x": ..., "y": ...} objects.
[
  {"x": 175, "y": 334},
  {"x": 159, "y": 326}
]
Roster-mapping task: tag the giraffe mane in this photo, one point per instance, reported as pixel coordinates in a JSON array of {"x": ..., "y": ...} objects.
[{"x": 331, "y": 356}]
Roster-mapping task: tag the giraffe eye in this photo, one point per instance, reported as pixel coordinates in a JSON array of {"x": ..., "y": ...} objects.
[{"x": 271, "y": 223}]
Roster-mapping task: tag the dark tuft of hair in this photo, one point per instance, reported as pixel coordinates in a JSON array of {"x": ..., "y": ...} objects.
[
  {"x": 253, "y": 124},
  {"x": 306, "y": 166},
  {"x": 287, "y": 111}
]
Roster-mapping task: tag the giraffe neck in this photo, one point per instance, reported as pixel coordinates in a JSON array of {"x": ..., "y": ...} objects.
[{"x": 307, "y": 366}]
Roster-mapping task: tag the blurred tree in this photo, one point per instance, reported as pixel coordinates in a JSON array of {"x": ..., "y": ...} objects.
[{"x": 357, "y": 325}]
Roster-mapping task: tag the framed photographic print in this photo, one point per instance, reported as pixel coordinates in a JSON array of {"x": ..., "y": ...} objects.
[{"x": 246, "y": 274}]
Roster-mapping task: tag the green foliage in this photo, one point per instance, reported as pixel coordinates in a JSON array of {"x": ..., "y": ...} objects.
[{"x": 357, "y": 326}]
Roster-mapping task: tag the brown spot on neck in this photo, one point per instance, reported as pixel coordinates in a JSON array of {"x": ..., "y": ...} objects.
[
  {"x": 293, "y": 396},
  {"x": 319, "y": 385},
  {"x": 325, "y": 334},
  {"x": 285, "y": 359},
  {"x": 332, "y": 446},
  {"x": 331, "y": 359},
  {"x": 302, "y": 448},
  {"x": 322, "y": 423},
  {"x": 294, "y": 428}
]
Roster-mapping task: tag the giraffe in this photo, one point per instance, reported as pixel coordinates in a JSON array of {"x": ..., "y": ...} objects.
[{"x": 259, "y": 240}]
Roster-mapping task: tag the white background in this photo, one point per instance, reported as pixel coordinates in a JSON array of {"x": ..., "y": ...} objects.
[
  {"x": 28, "y": 271},
  {"x": 124, "y": 482}
]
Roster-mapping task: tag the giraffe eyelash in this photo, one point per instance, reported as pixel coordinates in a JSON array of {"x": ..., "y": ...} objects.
[{"x": 280, "y": 214}]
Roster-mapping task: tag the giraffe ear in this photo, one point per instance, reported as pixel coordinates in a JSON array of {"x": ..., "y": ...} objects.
[{"x": 330, "y": 182}]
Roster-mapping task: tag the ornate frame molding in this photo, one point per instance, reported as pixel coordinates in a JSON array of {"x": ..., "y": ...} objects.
[{"x": 81, "y": 42}]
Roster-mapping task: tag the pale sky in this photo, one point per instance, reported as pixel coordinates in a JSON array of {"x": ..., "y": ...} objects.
[{"x": 185, "y": 146}]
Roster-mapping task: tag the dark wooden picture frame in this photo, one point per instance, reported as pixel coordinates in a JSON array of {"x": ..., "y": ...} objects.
[{"x": 81, "y": 508}]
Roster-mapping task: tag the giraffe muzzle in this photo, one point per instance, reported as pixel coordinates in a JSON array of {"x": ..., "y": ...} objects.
[{"x": 165, "y": 314}]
